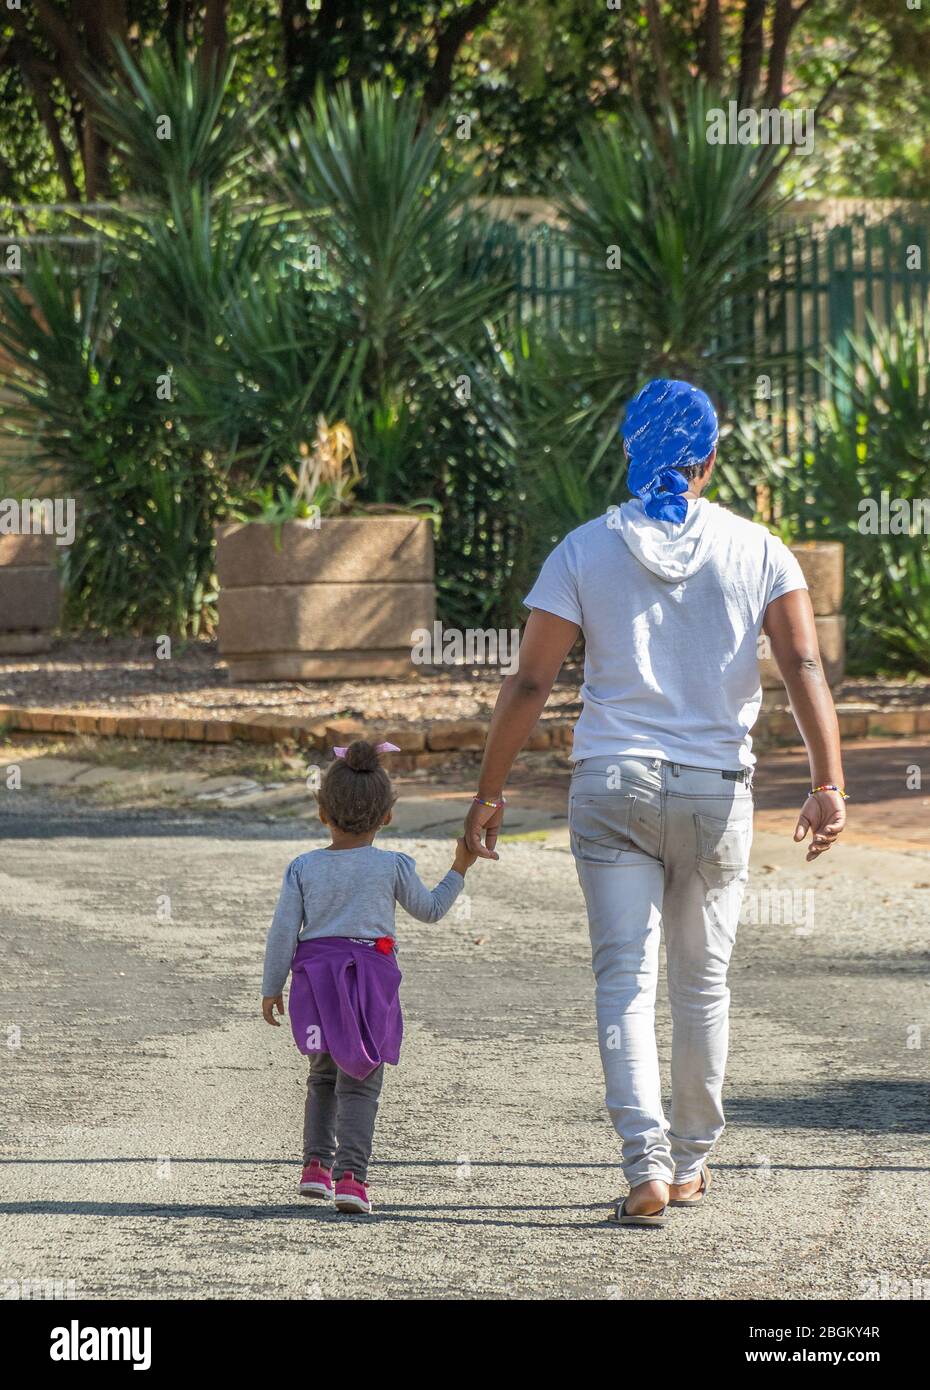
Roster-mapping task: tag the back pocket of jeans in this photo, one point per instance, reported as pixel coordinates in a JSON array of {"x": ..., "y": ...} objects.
[
  {"x": 722, "y": 849},
  {"x": 600, "y": 826}
]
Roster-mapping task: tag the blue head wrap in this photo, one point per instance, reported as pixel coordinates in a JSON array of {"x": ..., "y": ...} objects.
[{"x": 668, "y": 425}]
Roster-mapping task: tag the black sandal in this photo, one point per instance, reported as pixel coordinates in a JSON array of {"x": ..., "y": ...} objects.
[{"x": 625, "y": 1218}]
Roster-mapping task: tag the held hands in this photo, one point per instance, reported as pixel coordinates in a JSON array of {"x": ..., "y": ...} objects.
[
  {"x": 824, "y": 815},
  {"x": 463, "y": 857},
  {"x": 268, "y": 1007}
]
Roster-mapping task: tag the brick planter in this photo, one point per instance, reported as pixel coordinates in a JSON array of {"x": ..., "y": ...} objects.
[
  {"x": 330, "y": 601},
  {"x": 822, "y": 563},
  {"x": 30, "y": 593}
]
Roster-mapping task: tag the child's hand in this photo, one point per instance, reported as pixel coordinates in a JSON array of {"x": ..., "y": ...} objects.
[
  {"x": 464, "y": 858},
  {"x": 268, "y": 1007}
]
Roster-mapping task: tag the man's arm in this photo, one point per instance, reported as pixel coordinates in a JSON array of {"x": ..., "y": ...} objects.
[
  {"x": 545, "y": 644},
  {"x": 789, "y": 625}
]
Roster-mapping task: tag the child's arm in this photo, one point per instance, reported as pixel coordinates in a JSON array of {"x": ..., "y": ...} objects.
[
  {"x": 414, "y": 896},
  {"x": 281, "y": 943}
]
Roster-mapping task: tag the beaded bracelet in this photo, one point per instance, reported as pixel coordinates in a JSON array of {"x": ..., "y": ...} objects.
[
  {"x": 828, "y": 787},
  {"x": 480, "y": 801}
]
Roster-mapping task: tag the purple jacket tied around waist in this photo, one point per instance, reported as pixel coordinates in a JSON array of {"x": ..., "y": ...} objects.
[{"x": 344, "y": 1001}]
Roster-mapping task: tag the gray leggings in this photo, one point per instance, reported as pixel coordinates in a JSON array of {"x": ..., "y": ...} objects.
[{"x": 339, "y": 1116}]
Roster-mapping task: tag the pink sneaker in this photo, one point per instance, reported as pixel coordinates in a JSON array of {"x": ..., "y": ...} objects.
[
  {"x": 316, "y": 1181},
  {"x": 352, "y": 1195}
]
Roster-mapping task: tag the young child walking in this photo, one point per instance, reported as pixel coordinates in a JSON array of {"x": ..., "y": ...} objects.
[{"x": 333, "y": 930}]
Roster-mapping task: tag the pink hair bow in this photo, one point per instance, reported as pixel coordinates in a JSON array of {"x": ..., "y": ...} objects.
[{"x": 379, "y": 748}]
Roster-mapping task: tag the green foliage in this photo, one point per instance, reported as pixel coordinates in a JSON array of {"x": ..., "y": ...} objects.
[
  {"x": 179, "y": 131},
  {"x": 256, "y": 340},
  {"x": 81, "y": 410},
  {"x": 372, "y": 293},
  {"x": 274, "y": 504},
  {"x": 530, "y": 74},
  {"x": 91, "y": 401},
  {"x": 671, "y": 227},
  {"x": 409, "y": 299},
  {"x": 391, "y": 213},
  {"x": 875, "y": 439},
  {"x": 670, "y": 232}
]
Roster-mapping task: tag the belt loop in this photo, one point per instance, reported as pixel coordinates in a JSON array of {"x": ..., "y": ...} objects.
[{"x": 676, "y": 769}]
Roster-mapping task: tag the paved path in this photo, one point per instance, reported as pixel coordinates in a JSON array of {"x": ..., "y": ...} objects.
[{"x": 152, "y": 1118}]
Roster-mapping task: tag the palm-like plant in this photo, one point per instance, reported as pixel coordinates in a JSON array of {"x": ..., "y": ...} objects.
[
  {"x": 255, "y": 374},
  {"x": 97, "y": 353},
  {"x": 173, "y": 125},
  {"x": 670, "y": 234},
  {"x": 393, "y": 216},
  {"x": 877, "y": 441},
  {"x": 80, "y": 404}
]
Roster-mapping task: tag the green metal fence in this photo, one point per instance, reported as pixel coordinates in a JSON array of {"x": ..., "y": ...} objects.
[
  {"x": 824, "y": 280},
  {"x": 827, "y": 282},
  {"x": 825, "y": 277}
]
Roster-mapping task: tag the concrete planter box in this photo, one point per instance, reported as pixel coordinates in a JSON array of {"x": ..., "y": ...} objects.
[
  {"x": 822, "y": 564},
  {"x": 30, "y": 593},
  {"x": 335, "y": 600}
]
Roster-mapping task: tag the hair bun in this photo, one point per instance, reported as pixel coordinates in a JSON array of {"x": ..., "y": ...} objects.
[{"x": 362, "y": 756}]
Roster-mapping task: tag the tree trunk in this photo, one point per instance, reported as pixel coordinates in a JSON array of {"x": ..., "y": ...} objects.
[
  {"x": 307, "y": 34},
  {"x": 709, "y": 60},
  {"x": 782, "y": 25},
  {"x": 751, "y": 47},
  {"x": 103, "y": 22},
  {"x": 657, "y": 43},
  {"x": 448, "y": 43},
  {"x": 215, "y": 35}
]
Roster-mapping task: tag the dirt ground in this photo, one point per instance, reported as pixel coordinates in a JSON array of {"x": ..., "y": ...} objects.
[
  {"x": 123, "y": 674},
  {"x": 152, "y": 1119}
]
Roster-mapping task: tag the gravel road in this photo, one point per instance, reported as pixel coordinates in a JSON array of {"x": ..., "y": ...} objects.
[{"x": 151, "y": 1120}]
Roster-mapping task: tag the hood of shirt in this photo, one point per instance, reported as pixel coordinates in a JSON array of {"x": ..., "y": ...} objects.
[{"x": 673, "y": 552}]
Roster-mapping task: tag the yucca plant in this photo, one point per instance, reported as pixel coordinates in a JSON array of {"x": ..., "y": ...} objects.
[
  {"x": 220, "y": 341},
  {"x": 672, "y": 231},
  {"x": 174, "y": 126},
  {"x": 263, "y": 373},
  {"x": 98, "y": 351},
  {"x": 873, "y": 439},
  {"x": 393, "y": 215},
  {"x": 670, "y": 234},
  {"x": 186, "y": 246},
  {"x": 80, "y": 404},
  {"x": 378, "y": 333}
]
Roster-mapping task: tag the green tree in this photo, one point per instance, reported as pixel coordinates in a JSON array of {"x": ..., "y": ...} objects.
[{"x": 530, "y": 75}]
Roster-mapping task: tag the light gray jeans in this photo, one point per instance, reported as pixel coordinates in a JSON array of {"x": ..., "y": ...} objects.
[{"x": 661, "y": 845}]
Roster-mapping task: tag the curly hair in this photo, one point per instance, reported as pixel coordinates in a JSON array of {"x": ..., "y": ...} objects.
[
  {"x": 356, "y": 793},
  {"x": 690, "y": 471}
]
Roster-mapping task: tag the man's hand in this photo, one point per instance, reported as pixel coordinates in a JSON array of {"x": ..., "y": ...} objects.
[
  {"x": 486, "y": 820},
  {"x": 268, "y": 1007},
  {"x": 824, "y": 815}
]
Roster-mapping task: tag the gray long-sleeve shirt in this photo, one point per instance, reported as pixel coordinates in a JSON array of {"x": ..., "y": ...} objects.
[{"x": 347, "y": 892}]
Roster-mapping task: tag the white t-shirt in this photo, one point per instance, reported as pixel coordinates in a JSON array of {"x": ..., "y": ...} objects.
[{"x": 672, "y": 616}]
